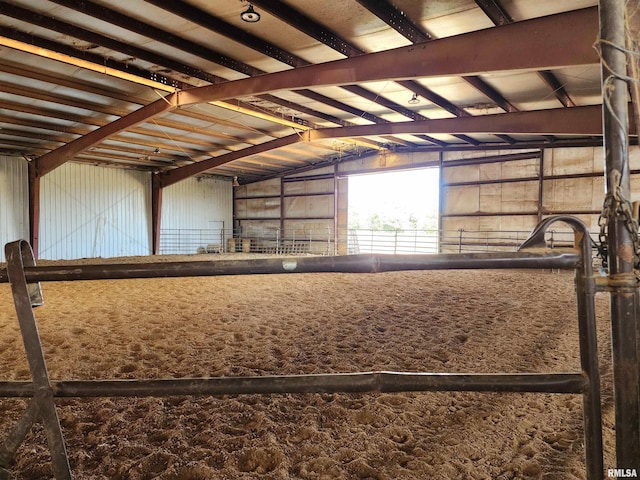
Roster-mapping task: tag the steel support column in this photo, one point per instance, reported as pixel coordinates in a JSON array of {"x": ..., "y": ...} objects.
[
  {"x": 34, "y": 208},
  {"x": 156, "y": 212},
  {"x": 620, "y": 236}
]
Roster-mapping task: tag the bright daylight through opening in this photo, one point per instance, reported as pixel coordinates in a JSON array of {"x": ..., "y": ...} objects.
[{"x": 395, "y": 212}]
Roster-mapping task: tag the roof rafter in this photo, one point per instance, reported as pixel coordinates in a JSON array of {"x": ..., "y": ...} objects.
[
  {"x": 578, "y": 120},
  {"x": 397, "y": 20},
  {"x": 291, "y": 16},
  {"x": 499, "y": 16},
  {"x": 331, "y": 39},
  {"x": 197, "y": 16},
  {"x": 459, "y": 55}
]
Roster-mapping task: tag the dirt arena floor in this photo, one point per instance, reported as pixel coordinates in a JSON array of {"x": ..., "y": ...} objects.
[{"x": 456, "y": 321}]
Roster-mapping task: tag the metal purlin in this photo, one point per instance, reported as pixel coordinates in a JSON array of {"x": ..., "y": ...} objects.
[{"x": 25, "y": 276}]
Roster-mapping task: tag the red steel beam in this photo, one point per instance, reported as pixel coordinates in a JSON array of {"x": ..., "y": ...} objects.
[
  {"x": 560, "y": 121},
  {"x": 55, "y": 158},
  {"x": 532, "y": 44}
]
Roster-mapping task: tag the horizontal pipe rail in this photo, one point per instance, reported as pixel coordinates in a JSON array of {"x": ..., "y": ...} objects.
[
  {"x": 315, "y": 383},
  {"x": 564, "y": 259}
]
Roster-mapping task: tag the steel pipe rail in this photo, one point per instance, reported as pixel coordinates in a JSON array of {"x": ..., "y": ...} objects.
[
  {"x": 563, "y": 259},
  {"x": 25, "y": 278},
  {"x": 359, "y": 382}
]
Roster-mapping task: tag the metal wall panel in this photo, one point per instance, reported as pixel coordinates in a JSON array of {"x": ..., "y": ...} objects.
[
  {"x": 89, "y": 211},
  {"x": 199, "y": 204},
  {"x": 389, "y": 160},
  {"x": 14, "y": 201}
]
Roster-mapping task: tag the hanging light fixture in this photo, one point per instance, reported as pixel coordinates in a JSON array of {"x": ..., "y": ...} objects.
[
  {"x": 235, "y": 182},
  {"x": 250, "y": 15},
  {"x": 414, "y": 99}
]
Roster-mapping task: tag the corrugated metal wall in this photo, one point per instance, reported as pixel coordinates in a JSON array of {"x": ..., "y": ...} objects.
[
  {"x": 574, "y": 181},
  {"x": 89, "y": 211},
  {"x": 294, "y": 214},
  {"x": 480, "y": 192},
  {"x": 492, "y": 191},
  {"x": 192, "y": 210},
  {"x": 14, "y": 201}
]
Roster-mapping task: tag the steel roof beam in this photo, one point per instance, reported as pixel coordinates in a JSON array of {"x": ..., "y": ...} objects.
[
  {"x": 331, "y": 39},
  {"x": 495, "y": 11},
  {"x": 491, "y": 93},
  {"x": 396, "y": 19},
  {"x": 578, "y": 120},
  {"x": 499, "y": 16},
  {"x": 529, "y": 47},
  {"x": 193, "y": 14},
  {"x": 12, "y": 68},
  {"x": 310, "y": 27},
  {"x": 303, "y": 23},
  {"x": 556, "y": 87},
  {"x": 123, "y": 21},
  {"x": 97, "y": 39}
]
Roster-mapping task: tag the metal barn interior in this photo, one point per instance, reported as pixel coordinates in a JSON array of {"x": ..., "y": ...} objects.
[{"x": 124, "y": 121}]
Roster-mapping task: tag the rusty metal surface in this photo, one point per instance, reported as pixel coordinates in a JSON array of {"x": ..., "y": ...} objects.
[
  {"x": 26, "y": 295},
  {"x": 318, "y": 383},
  {"x": 565, "y": 259},
  {"x": 585, "y": 294},
  {"x": 620, "y": 234}
]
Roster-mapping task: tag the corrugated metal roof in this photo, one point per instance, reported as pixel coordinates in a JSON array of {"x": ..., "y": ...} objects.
[{"x": 70, "y": 67}]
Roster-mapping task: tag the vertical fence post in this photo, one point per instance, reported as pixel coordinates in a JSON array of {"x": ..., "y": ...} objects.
[{"x": 620, "y": 235}]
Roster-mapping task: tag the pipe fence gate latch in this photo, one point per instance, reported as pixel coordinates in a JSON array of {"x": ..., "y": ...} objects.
[{"x": 24, "y": 276}]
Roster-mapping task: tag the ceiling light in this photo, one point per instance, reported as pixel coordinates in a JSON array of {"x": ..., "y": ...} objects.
[
  {"x": 250, "y": 15},
  {"x": 235, "y": 182},
  {"x": 414, "y": 99}
]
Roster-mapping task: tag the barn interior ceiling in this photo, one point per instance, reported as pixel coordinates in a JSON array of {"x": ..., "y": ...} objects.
[{"x": 187, "y": 88}]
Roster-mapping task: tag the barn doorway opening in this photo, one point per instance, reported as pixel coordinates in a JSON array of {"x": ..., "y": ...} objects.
[{"x": 394, "y": 212}]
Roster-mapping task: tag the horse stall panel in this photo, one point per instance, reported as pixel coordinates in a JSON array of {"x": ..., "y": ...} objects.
[
  {"x": 485, "y": 233},
  {"x": 303, "y": 236},
  {"x": 257, "y": 236}
]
